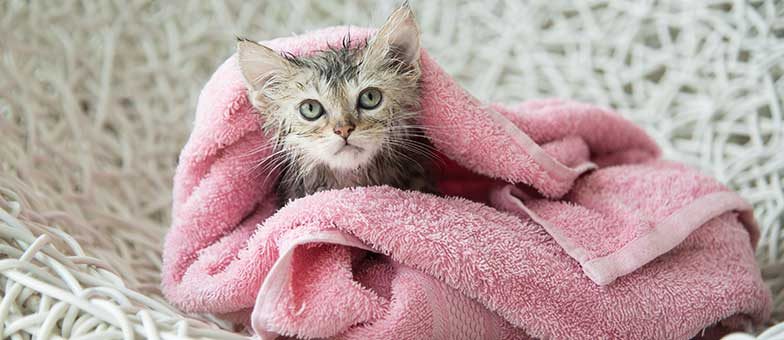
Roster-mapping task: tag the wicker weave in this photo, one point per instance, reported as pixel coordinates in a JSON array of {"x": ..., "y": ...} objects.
[{"x": 96, "y": 99}]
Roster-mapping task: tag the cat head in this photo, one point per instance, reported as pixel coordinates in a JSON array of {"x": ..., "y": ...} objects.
[{"x": 344, "y": 106}]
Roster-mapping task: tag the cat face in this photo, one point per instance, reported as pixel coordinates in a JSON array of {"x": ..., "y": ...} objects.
[{"x": 340, "y": 107}]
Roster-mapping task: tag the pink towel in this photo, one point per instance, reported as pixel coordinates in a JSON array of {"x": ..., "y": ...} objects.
[{"x": 563, "y": 223}]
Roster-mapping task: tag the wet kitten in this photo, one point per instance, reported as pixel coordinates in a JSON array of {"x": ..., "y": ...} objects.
[{"x": 343, "y": 117}]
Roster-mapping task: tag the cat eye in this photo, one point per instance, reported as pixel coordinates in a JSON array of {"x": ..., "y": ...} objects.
[
  {"x": 369, "y": 98},
  {"x": 311, "y": 109}
]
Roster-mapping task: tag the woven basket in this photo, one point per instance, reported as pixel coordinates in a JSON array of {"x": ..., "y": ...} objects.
[{"x": 96, "y": 100}]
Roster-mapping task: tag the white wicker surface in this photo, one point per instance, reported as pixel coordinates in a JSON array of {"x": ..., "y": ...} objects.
[{"x": 96, "y": 99}]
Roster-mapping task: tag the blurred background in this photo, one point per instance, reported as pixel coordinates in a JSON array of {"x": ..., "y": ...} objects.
[{"x": 97, "y": 97}]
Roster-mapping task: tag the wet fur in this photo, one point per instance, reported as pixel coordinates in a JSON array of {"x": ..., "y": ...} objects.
[{"x": 397, "y": 150}]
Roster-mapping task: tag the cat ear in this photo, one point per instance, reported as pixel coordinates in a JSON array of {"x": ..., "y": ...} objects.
[
  {"x": 398, "y": 37},
  {"x": 258, "y": 63}
]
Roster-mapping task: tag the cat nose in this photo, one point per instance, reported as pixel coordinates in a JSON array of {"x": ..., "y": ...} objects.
[{"x": 343, "y": 129}]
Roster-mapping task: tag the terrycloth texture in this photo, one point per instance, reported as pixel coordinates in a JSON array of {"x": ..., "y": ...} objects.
[{"x": 636, "y": 248}]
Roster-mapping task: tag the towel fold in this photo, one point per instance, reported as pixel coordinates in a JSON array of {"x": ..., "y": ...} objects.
[{"x": 559, "y": 221}]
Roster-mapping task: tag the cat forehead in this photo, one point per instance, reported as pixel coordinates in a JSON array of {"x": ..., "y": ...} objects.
[
  {"x": 308, "y": 83},
  {"x": 331, "y": 65}
]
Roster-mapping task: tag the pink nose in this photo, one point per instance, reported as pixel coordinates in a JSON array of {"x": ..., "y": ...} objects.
[{"x": 343, "y": 130}]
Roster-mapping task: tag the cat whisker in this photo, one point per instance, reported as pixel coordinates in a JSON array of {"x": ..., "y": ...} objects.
[
  {"x": 400, "y": 154},
  {"x": 420, "y": 150},
  {"x": 269, "y": 164},
  {"x": 268, "y": 144},
  {"x": 416, "y": 144},
  {"x": 274, "y": 153},
  {"x": 271, "y": 171},
  {"x": 409, "y": 133}
]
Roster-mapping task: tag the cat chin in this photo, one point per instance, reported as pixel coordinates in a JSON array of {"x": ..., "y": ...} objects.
[
  {"x": 349, "y": 158},
  {"x": 338, "y": 156}
]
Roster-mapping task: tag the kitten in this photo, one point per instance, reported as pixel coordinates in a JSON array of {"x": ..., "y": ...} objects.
[{"x": 343, "y": 117}]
